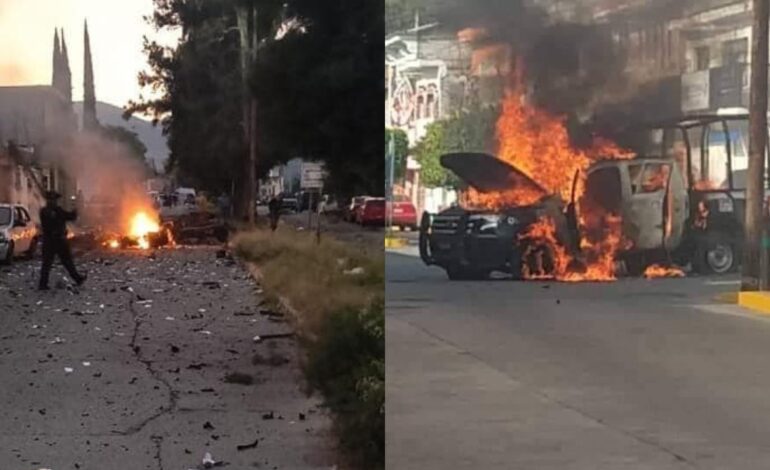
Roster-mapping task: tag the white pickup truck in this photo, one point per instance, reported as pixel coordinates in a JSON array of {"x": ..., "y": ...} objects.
[{"x": 18, "y": 233}]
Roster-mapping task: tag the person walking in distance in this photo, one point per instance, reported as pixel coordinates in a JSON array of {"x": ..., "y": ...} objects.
[
  {"x": 274, "y": 206},
  {"x": 53, "y": 220}
]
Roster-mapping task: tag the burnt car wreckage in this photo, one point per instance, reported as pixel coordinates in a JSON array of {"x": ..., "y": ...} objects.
[{"x": 692, "y": 215}]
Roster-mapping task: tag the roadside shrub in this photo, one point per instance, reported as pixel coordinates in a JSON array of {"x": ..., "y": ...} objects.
[
  {"x": 342, "y": 326},
  {"x": 312, "y": 276},
  {"x": 347, "y": 364}
]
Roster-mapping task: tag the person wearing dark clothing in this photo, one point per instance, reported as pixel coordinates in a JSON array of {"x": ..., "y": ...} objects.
[
  {"x": 224, "y": 205},
  {"x": 274, "y": 206},
  {"x": 53, "y": 220}
]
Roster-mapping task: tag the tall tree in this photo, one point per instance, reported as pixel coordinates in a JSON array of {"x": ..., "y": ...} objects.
[
  {"x": 321, "y": 91},
  {"x": 318, "y": 85}
]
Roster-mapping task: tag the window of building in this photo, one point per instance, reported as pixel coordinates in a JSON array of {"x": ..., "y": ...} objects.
[
  {"x": 420, "y": 107},
  {"x": 702, "y": 58},
  {"x": 735, "y": 51}
]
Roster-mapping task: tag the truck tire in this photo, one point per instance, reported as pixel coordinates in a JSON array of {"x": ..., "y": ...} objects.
[
  {"x": 716, "y": 253},
  {"x": 423, "y": 242}
]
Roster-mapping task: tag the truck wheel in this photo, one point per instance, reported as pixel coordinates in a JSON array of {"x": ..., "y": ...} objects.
[
  {"x": 716, "y": 254},
  {"x": 423, "y": 242}
]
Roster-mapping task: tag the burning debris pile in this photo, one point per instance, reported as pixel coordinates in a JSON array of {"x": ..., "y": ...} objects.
[{"x": 144, "y": 231}]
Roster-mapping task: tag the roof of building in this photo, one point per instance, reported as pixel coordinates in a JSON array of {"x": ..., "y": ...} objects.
[{"x": 31, "y": 114}]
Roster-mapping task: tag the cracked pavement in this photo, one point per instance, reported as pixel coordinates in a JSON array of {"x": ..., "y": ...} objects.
[{"x": 130, "y": 372}]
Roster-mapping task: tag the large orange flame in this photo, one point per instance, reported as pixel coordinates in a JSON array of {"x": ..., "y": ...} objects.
[
  {"x": 538, "y": 144},
  {"x": 658, "y": 270},
  {"x": 140, "y": 228}
]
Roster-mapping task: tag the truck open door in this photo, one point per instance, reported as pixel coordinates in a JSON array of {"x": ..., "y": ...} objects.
[
  {"x": 645, "y": 209},
  {"x": 675, "y": 209}
]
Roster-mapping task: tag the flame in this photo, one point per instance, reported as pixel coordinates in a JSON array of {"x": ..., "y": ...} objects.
[
  {"x": 597, "y": 256},
  {"x": 113, "y": 244},
  {"x": 140, "y": 228},
  {"x": 658, "y": 270},
  {"x": 538, "y": 144},
  {"x": 539, "y": 235},
  {"x": 498, "y": 200}
]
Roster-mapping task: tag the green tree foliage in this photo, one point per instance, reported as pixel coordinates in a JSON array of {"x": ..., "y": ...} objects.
[
  {"x": 318, "y": 89},
  {"x": 401, "y": 143},
  {"x": 128, "y": 138},
  {"x": 469, "y": 131}
]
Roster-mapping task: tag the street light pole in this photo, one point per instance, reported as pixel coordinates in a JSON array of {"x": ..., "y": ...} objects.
[
  {"x": 391, "y": 157},
  {"x": 752, "y": 276}
]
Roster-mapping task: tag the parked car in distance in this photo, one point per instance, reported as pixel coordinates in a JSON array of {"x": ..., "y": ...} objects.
[
  {"x": 289, "y": 203},
  {"x": 404, "y": 213},
  {"x": 372, "y": 212},
  {"x": 351, "y": 210},
  {"x": 18, "y": 233}
]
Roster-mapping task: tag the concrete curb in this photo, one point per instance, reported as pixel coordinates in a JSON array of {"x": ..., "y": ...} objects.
[
  {"x": 394, "y": 242},
  {"x": 759, "y": 302}
]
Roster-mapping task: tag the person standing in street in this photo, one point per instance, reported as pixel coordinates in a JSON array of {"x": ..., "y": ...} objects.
[
  {"x": 53, "y": 220},
  {"x": 274, "y": 206},
  {"x": 224, "y": 206}
]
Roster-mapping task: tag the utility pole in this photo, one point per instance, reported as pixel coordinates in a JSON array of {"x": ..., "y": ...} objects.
[
  {"x": 247, "y": 26},
  {"x": 752, "y": 277},
  {"x": 391, "y": 161}
]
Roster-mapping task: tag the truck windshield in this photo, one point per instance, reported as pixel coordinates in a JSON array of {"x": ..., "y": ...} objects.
[{"x": 5, "y": 216}]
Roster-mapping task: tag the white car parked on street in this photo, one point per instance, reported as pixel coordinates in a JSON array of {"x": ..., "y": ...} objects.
[{"x": 18, "y": 233}]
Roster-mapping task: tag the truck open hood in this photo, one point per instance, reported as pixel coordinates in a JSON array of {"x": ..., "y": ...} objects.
[{"x": 487, "y": 173}]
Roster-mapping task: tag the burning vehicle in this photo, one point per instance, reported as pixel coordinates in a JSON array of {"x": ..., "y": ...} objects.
[{"x": 679, "y": 200}]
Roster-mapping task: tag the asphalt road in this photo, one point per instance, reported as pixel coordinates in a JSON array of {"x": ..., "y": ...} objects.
[
  {"x": 133, "y": 371},
  {"x": 636, "y": 374}
]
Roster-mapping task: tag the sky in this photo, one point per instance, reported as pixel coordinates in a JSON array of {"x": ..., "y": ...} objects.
[{"x": 116, "y": 28}]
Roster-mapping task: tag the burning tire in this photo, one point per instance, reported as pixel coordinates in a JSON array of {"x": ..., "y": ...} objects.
[
  {"x": 537, "y": 261},
  {"x": 716, "y": 254}
]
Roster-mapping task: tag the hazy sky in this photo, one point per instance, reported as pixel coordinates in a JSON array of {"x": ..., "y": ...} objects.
[{"x": 116, "y": 28}]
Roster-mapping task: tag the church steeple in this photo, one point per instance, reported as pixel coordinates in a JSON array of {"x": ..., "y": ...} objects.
[
  {"x": 89, "y": 94},
  {"x": 66, "y": 73},
  {"x": 56, "y": 60}
]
